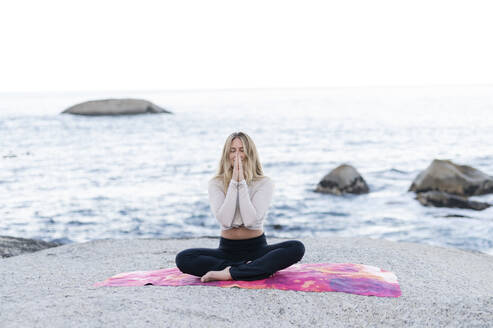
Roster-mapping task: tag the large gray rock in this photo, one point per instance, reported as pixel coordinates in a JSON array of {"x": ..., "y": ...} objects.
[
  {"x": 462, "y": 180},
  {"x": 344, "y": 179},
  {"x": 115, "y": 107},
  {"x": 443, "y": 199},
  {"x": 12, "y": 246}
]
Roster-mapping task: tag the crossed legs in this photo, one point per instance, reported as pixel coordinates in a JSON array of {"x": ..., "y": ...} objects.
[{"x": 260, "y": 263}]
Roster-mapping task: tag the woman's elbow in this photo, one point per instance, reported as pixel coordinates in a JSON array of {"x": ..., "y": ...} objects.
[
  {"x": 253, "y": 223},
  {"x": 226, "y": 220},
  {"x": 252, "y": 227}
]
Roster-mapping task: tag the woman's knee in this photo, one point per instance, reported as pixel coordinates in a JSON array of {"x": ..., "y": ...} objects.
[
  {"x": 297, "y": 249},
  {"x": 183, "y": 259}
]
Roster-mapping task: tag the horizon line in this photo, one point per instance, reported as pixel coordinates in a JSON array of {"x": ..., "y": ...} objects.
[{"x": 233, "y": 89}]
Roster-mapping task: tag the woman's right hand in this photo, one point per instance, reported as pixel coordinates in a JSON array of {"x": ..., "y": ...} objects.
[{"x": 235, "y": 169}]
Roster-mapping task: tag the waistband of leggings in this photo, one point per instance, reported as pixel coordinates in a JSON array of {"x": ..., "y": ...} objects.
[{"x": 226, "y": 243}]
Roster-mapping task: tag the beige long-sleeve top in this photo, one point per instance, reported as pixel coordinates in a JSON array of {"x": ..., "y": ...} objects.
[{"x": 242, "y": 205}]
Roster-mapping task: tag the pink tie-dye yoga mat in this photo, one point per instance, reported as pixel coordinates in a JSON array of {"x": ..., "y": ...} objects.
[{"x": 308, "y": 277}]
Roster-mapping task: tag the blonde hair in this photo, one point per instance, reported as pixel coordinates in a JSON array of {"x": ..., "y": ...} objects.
[{"x": 252, "y": 169}]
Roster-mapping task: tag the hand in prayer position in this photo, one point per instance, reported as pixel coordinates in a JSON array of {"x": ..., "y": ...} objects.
[{"x": 238, "y": 174}]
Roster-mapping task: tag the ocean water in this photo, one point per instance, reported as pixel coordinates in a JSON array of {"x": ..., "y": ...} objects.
[{"x": 75, "y": 179}]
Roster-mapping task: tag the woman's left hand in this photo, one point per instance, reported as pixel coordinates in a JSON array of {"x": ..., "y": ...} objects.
[{"x": 240, "y": 169}]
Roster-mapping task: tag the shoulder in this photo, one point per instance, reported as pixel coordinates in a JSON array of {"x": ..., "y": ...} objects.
[
  {"x": 215, "y": 187},
  {"x": 215, "y": 182},
  {"x": 263, "y": 181}
]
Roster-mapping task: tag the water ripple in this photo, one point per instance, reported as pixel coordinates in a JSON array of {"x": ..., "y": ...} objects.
[{"x": 147, "y": 176}]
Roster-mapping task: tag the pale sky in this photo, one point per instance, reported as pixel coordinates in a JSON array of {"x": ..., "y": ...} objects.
[{"x": 88, "y": 45}]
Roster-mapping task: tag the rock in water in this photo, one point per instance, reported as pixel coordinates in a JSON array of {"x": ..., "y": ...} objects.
[
  {"x": 443, "y": 199},
  {"x": 115, "y": 107},
  {"x": 12, "y": 246},
  {"x": 462, "y": 180},
  {"x": 341, "y": 180}
]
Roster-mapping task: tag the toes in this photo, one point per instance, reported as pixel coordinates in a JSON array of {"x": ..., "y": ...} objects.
[{"x": 204, "y": 278}]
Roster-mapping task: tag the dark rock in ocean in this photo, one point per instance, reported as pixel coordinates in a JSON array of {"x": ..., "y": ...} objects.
[
  {"x": 457, "y": 216},
  {"x": 461, "y": 180},
  {"x": 277, "y": 227},
  {"x": 344, "y": 179},
  {"x": 12, "y": 246},
  {"x": 115, "y": 107},
  {"x": 443, "y": 199}
]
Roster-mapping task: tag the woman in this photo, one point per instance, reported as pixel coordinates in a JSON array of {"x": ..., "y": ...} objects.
[{"x": 240, "y": 195}]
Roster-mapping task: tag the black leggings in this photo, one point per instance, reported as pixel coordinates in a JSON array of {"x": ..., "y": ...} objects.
[{"x": 266, "y": 259}]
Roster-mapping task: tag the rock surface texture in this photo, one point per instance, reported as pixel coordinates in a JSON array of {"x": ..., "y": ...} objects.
[
  {"x": 441, "y": 287},
  {"x": 443, "y": 199},
  {"x": 12, "y": 246},
  {"x": 115, "y": 107},
  {"x": 462, "y": 180},
  {"x": 344, "y": 179},
  {"x": 445, "y": 184}
]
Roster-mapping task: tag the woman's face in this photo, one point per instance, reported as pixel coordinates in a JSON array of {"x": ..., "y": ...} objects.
[{"x": 236, "y": 148}]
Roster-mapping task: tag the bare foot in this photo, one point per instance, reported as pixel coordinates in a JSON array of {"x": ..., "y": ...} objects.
[{"x": 217, "y": 275}]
